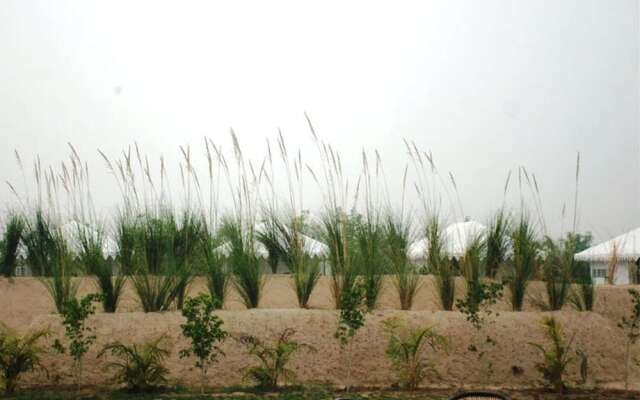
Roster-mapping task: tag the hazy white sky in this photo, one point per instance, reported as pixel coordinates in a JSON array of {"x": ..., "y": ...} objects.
[{"x": 485, "y": 85}]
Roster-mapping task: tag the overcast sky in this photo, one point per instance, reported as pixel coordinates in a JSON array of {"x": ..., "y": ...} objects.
[{"x": 486, "y": 86}]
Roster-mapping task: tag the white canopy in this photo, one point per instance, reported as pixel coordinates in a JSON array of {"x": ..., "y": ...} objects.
[
  {"x": 627, "y": 247},
  {"x": 456, "y": 238}
]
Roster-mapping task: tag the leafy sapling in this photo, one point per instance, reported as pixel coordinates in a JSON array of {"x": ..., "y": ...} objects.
[
  {"x": 78, "y": 334},
  {"x": 205, "y": 331},
  {"x": 631, "y": 327},
  {"x": 476, "y": 306},
  {"x": 352, "y": 315}
]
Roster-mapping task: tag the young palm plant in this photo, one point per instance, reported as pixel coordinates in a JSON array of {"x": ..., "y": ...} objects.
[
  {"x": 139, "y": 366},
  {"x": 19, "y": 354},
  {"x": 406, "y": 350}
]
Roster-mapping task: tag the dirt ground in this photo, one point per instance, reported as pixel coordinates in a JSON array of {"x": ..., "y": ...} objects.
[{"x": 26, "y": 304}]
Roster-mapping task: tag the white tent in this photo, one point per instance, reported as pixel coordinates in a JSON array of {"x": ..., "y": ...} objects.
[
  {"x": 627, "y": 251},
  {"x": 456, "y": 238}
]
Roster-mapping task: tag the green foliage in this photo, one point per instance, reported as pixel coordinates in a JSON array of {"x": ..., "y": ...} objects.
[
  {"x": 94, "y": 262},
  {"x": 369, "y": 238},
  {"x": 406, "y": 350},
  {"x": 204, "y": 330},
  {"x": 557, "y": 357},
  {"x": 19, "y": 354},
  {"x": 558, "y": 271},
  {"x": 43, "y": 248},
  {"x": 523, "y": 265},
  {"x": 129, "y": 239},
  {"x": 273, "y": 358},
  {"x": 337, "y": 233},
  {"x": 396, "y": 243},
  {"x": 269, "y": 237},
  {"x": 248, "y": 276},
  {"x": 11, "y": 237},
  {"x": 583, "y": 294},
  {"x": 471, "y": 265},
  {"x": 216, "y": 271},
  {"x": 440, "y": 265},
  {"x": 140, "y": 366},
  {"x": 78, "y": 334},
  {"x": 497, "y": 243},
  {"x": 352, "y": 313},
  {"x": 631, "y": 326},
  {"x": 476, "y": 304}
]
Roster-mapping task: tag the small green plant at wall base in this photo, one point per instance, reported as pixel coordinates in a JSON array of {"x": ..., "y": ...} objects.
[
  {"x": 406, "y": 350},
  {"x": 351, "y": 319},
  {"x": 205, "y": 331},
  {"x": 78, "y": 335},
  {"x": 557, "y": 357},
  {"x": 476, "y": 308},
  {"x": 19, "y": 354},
  {"x": 140, "y": 366},
  {"x": 273, "y": 359},
  {"x": 631, "y": 327}
]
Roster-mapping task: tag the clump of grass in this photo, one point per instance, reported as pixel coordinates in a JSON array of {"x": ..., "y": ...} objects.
[
  {"x": 245, "y": 264},
  {"x": 472, "y": 269},
  {"x": 94, "y": 262},
  {"x": 396, "y": 243},
  {"x": 19, "y": 354},
  {"x": 11, "y": 237},
  {"x": 337, "y": 234},
  {"x": 305, "y": 268},
  {"x": 216, "y": 269},
  {"x": 129, "y": 244},
  {"x": 497, "y": 243},
  {"x": 406, "y": 350},
  {"x": 558, "y": 269},
  {"x": 369, "y": 238},
  {"x": 583, "y": 294},
  {"x": 139, "y": 366},
  {"x": 440, "y": 265},
  {"x": 269, "y": 237},
  {"x": 523, "y": 265}
]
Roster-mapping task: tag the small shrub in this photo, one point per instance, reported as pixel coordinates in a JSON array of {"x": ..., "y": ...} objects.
[
  {"x": 140, "y": 366},
  {"x": 631, "y": 326},
  {"x": 204, "y": 329},
  {"x": 19, "y": 354},
  {"x": 351, "y": 319},
  {"x": 476, "y": 306},
  {"x": 555, "y": 359},
  {"x": 406, "y": 351},
  {"x": 273, "y": 358},
  {"x": 78, "y": 335}
]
